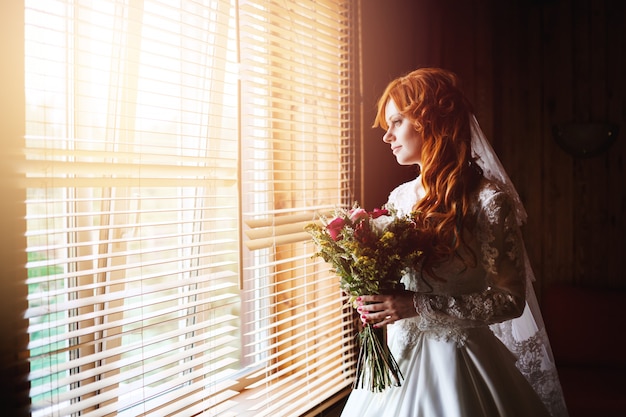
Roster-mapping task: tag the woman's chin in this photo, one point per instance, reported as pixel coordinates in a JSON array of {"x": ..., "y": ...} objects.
[{"x": 406, "y": 162}]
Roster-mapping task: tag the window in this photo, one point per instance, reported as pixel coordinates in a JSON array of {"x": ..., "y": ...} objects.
[{"x": 174, "y": 151}]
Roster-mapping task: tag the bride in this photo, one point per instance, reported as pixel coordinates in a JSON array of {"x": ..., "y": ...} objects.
[{"x": 467, "y": 333}]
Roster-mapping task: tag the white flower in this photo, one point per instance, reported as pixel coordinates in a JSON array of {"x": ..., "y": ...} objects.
[{"x": 380, "y": 224}]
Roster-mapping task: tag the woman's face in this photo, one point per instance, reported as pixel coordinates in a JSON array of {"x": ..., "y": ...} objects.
[{"x": 405, "y": 141}]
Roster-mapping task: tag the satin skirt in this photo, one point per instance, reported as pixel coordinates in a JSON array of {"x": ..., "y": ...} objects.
[{"x": 446, "y": 379}]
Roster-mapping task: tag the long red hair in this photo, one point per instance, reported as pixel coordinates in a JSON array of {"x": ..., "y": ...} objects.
[{"x": 432, "y": 100}]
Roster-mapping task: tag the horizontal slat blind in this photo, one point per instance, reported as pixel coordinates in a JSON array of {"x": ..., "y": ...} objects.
[
  {"x": 279, "y": 230},
  {"x": 131, "y": 177},
  {"x": 296, "y": 130},
  {"x": 174, "y": 152}
]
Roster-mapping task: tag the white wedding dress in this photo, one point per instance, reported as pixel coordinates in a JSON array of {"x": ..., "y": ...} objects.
[{"x": 464, "y": 355}]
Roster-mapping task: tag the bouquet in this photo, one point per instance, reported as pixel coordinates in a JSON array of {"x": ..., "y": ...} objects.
[{"x": 370, "y": 251}]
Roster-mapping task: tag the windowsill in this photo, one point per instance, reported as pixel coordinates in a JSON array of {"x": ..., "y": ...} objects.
[{"x": 331, "y": 407}]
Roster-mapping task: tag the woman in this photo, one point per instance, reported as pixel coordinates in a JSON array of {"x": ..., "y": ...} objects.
[{"x": 467, "y": 332}]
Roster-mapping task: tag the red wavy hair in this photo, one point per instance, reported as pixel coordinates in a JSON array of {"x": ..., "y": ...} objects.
[{"x": 432, "y": 100}]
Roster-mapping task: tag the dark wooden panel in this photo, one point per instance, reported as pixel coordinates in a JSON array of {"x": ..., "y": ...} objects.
[
  {"x": 556, "y": 182},
  {"x": 615, "y": 233}
]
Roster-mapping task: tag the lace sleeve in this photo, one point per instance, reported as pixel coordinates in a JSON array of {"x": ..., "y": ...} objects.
[{"x": 501, "y": 249}]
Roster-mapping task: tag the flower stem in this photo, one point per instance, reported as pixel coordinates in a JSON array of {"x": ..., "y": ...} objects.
[{"x": 377, "y": 369}]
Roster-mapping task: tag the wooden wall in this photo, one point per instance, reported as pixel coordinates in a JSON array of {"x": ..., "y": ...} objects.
[{"x": 527, "y": 65}]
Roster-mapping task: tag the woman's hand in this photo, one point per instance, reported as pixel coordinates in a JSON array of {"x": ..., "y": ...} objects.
[{"x": 381, "y": 310}]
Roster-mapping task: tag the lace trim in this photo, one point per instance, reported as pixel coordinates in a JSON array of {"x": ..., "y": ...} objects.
[
  {"x": 486, "y": 236},
  {"x": 495, "y": 205},
  {"x": 471, "y": 310},
  {"x": 438, "y": 326},
  {"x": 407, "y": 332},
  {"x": 535, "y": 364}
]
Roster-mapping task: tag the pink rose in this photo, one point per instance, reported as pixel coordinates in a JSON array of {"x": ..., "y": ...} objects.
[
  {"x": 379, "y": 212},
  {"x": 334, "y": 228},
  {"x": 358, "y": 214}
]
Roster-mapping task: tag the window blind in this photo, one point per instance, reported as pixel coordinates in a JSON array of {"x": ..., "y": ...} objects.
[
  {"x": 174, "y": 150},
  {"x": 296, "y": 74}
]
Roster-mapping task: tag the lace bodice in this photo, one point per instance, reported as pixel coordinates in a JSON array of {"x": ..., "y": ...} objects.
[
  {"x": 485, "y": 284},
  {"x": 488, "y": 289}
]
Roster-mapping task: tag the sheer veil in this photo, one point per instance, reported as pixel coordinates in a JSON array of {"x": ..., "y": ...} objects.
[{"x": 526, "y": 335}]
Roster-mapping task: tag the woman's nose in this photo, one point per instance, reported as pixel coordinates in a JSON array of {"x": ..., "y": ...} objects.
[{"x": 387, "y": 137}]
